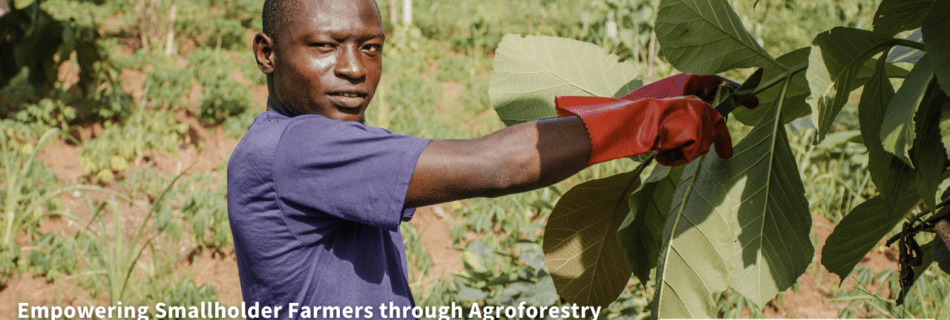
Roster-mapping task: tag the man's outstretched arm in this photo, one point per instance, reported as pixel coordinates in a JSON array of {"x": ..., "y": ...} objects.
[
  {"x": 515, "y": 159},
  {"x": 673, "y": 113}
]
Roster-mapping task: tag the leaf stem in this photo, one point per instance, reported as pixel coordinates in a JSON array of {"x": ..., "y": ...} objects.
[
  {"x": 910, "y": 44},
  {"x": 785, "y": 75}
]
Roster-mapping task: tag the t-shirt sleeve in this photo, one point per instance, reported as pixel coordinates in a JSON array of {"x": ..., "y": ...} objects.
[{"x": 328, "y": 169}]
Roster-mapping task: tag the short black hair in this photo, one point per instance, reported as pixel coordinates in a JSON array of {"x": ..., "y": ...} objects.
[{"x": 277, "y": 12}]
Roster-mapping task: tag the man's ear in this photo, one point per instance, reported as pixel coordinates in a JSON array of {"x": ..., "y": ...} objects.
[{"x": 264, "y": 52}]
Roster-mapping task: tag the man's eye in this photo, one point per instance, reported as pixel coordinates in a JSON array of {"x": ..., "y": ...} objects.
[
  {"x": 321, "y": 45},
  {"x": 373, "y": 48}
]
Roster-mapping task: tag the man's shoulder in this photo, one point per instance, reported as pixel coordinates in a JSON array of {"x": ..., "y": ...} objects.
[
  {"x": 257, "y": 146},
  {"x": 261, "y": 140}
]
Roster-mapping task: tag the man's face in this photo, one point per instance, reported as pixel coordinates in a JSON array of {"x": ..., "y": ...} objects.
[{"x": 328, "y": 58}]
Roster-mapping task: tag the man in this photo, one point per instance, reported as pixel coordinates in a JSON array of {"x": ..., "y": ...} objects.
[{"x": 315, "y": 197}]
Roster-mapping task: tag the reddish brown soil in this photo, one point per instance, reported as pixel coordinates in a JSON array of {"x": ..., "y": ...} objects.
[
  {"x": 812, "y": 298},
  {"x": 433, "y": 231}
]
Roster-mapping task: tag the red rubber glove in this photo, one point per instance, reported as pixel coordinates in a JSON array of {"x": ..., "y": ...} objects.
[
  {"x": 686, "y": 84},
  {"x": 621, "y": 128}
]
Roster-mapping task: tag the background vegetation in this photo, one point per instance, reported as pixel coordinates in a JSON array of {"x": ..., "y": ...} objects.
[{"x": 115, "y": 144}]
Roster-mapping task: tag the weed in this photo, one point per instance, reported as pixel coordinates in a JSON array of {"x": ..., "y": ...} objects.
[
  {"x": 123, "y": 143},
  {"x": 118, "y": 258},
  {"x": 27, "y": 192}
]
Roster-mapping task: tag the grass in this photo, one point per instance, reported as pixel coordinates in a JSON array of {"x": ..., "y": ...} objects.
[{"x": 434, "y": 85}]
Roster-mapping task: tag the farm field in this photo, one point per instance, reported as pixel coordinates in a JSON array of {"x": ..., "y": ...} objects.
[{"x": 115, "y": 152}]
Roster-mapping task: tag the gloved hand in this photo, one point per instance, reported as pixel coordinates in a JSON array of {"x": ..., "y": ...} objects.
[
  {"x": 621, "y": 128},
  {"x": 686, "y": 84}
]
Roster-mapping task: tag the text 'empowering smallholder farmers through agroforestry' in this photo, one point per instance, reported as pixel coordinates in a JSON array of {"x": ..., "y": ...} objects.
[{"x": 208, "y": 310}]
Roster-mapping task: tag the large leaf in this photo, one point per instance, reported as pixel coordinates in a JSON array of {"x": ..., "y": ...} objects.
[
  {"x": 894, "y": 16},
  {"x": 642, "y": 230},
  {"x": 529, "y": 72},
  {"x": 897, "y": 130},
  {"x": 929, "y": 155},
  {"x": 889, "y": 174},
  {"x": 934, "y": 29},
  {"x": 862, "y": 229},
  {"x": 707, "y": 37},
  {"x": 836, "y": 58},
  {"x": 580, "y": 243},
  {"x": 697, "y": 252},
  {"x": 759, "y": 195},
  {"x": 795, "y": 106},
  {"x": 773, "y": 220}
]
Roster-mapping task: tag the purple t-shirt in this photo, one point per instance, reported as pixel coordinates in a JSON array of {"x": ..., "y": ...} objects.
[{"x": 315, "y": 206}]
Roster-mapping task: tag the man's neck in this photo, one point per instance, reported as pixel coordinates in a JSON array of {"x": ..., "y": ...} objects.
[{"x": 273, "y": 104}]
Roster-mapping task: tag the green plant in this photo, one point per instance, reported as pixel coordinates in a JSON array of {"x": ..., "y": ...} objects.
[
  {"x": 166, "y": 84},
  {"x": 27, "y": 197},
  {"x": 221, "y": 96},
  {"x": 206, "y": 210},
  {"x": 744, "y": 220},
  {"x": 215, "y": 28},
  {"x": 123, "y": 143},
  {"x": 117, "y": 259},
  {"x": 48, "y": 113},
  {"x": 53, "y": 256}
]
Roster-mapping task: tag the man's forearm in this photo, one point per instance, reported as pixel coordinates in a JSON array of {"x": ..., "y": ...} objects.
[{"x": 519, "y": 158}]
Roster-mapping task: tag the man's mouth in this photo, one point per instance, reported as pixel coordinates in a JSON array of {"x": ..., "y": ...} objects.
[{"x": 347, "y": 99}]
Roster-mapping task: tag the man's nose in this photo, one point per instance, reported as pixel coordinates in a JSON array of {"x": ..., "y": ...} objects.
[{"x": 349, "y": 64}]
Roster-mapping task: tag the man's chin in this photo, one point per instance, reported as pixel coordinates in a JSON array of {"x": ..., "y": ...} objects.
[{"x": 348, "y": 114}]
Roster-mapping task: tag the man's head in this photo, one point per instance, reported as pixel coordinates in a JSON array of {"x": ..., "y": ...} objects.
[{"x": 321, "y": 56}]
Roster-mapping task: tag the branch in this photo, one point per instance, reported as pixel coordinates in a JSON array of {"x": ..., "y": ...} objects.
[
  {"x": 787, "y": 74},
  {"x": 943, "y": 230}
]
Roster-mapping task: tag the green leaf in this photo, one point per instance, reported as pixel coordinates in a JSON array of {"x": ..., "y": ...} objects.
[
  {"x": 773, "y": 220},
  {"x": 836, "y": 58},
  {"x": 20, "y": 4},
  {"x": 897, "y": 130},
  {"x": 926, "y": 259},
  {"x": 756, "y": 195},
  {"x": 929, "y": 154},
  {"x": 580, "y": 244},
  {"x": 529, "y": 72},
  {"x": 894, "y": 16},
  {"x": 795, "y": 106},
  {"x": 935, "y": 27},
  {"x": 941, "y": 255},
  {"x": 696, "y": 255},
  {"x": 642, "y": 230},
  {"x": 889, "y": 174},
  {"x": 707, "y": 37},
  {"x": 945, "y": 126},
  {"x": 678, "y": 296},
  {"x": 862, "y": 229}
]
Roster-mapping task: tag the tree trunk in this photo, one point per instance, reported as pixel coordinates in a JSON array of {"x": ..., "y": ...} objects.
[
  {"x": 407, "y": 12},
  {"x": 170, "y": 37},
  {"x": 393, "y": 12},
  {"x": 142, "y": 8}
]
